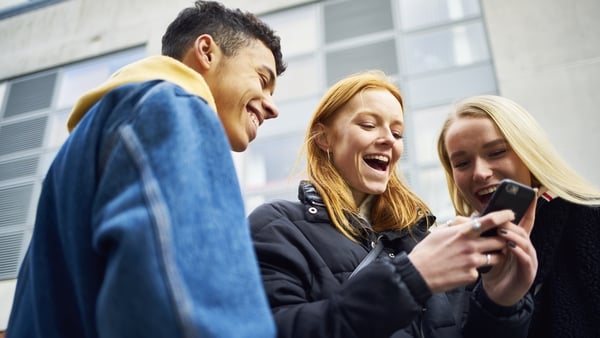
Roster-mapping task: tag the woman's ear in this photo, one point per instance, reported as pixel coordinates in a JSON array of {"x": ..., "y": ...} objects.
[{"x": 321, "y": 136}]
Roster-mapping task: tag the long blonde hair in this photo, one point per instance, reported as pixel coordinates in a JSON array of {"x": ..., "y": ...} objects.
[
  {"x": 528, "y": 141},
  {"x": 398, "y": 207}
]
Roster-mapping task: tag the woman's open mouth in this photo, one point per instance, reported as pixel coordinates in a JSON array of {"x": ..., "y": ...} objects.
[
  {"x": 484, "y": 195},
  {"x": 377, "y": 162}
]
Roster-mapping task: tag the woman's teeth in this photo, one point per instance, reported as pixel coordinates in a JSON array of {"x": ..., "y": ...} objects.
[
  {"x": 378, "y": 158},
  {"x": 486, "y": 191}
]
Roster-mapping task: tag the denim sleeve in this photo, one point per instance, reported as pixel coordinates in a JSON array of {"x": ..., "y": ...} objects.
[{"x": 169, "y": 218}]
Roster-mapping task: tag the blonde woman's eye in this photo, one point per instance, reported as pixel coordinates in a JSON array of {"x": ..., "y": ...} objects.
[{"x": 498, "y": 152}]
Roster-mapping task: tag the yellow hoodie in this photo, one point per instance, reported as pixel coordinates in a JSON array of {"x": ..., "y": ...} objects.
[{"x": 151, "y": 68}]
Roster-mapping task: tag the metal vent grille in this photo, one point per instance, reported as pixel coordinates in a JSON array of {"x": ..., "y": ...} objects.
[
  {"x": 18, "y": 168},
  {"x": 10, "y": 254},
  {"x": 14, "y": 205},
  {"x": 22, "y": 135},
  {"x": 30, "y": 95}
]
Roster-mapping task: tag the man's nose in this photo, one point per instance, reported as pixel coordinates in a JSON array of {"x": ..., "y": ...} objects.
[{"x": 270, "y": 108}]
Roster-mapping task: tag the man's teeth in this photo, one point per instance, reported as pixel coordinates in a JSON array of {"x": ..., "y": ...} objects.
[
  {"x": 487, "y": 191},
  {"x": 377, "y": 157},
  {"x": 254, "y": 119}
]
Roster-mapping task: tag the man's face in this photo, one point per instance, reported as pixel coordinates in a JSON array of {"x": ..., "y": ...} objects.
[{"x": 242, "y": 86}]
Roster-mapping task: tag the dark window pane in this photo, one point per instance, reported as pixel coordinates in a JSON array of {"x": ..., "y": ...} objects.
[
  {"x": 14, "y": 204},
  {"x": 379, "y": 55},
  {"x": 30, "y": 95},
  {"x": 350, "y": 19},
  {"x": 22, "y": 135},
  {"x": 10, "y": 250},
  {"x": 18, "y": 168}
]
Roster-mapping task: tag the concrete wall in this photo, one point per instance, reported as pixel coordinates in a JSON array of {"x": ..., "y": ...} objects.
[
  {"x": 78, "y": 29},
  {"x": 547, "y": 57}
]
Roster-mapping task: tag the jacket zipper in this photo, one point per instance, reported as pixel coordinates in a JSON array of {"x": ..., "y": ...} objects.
[{"x": 421, "y": 333}]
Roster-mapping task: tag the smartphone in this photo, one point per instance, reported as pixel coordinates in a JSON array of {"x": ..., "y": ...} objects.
[{"x": 509, "y": 195}]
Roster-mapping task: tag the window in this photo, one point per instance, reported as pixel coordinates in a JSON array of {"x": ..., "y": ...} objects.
[
  {"x": 354, "y": 18},
  {"x": 33, "y": 113},
  {"x": 446, "y": 47},
  {"x": 436, "y": 49},
  {"x": 415, "y": 14}
]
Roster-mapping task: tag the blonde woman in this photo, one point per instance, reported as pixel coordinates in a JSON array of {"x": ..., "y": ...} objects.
[
  {"x": 315, "y": 253},
  {"x": 488, "y": 138}
]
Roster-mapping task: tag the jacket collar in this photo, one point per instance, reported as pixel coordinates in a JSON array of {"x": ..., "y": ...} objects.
[
  {"x": 316, "y": 211},
  {"x": 152, "y": 68}
]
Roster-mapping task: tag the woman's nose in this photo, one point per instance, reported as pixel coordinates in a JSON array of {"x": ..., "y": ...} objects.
[{"x": 482, "y": 170}]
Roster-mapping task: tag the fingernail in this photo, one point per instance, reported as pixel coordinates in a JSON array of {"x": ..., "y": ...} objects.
[
  {"x": 503, "y": 231},
  {"x": 512, "y": 244}
]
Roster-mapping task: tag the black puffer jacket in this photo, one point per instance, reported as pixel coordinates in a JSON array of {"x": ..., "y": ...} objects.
[{"x": 305, "y": 264}]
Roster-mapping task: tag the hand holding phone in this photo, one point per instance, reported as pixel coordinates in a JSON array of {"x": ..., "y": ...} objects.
[{"x": 509, "y": 195}]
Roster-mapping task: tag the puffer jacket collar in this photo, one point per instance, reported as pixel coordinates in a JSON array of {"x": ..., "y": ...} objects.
[
  {"x": 315, "y": 211},
  {"x": 314, "y": 207}
]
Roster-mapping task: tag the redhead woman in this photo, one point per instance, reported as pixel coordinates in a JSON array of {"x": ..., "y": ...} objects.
[{"x": 354, "y": 257}]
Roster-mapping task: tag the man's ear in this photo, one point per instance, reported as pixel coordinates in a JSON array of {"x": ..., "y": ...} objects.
[
  {"x": 205, "y": 50},
  {"x": 319, "y": 132}
]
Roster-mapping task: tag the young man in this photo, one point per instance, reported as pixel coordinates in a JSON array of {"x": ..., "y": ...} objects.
[{"x": 141, "y": 228}]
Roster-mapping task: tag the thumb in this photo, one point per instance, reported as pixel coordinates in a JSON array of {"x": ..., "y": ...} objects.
[{"x": 529, "y": 216}]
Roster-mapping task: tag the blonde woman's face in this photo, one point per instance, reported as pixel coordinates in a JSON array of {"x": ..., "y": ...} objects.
[
  {"x": 480, "y": 158},
  {"x": 366, "y": 140}
]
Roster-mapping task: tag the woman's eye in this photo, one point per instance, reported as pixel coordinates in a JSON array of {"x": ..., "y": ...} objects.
[
  {"x": 397, "y": 136},
  {"x": 498, "y": 152},
  {"x": 460, "y": 164}
]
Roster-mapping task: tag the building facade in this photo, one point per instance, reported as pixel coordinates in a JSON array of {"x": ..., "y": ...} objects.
[{"x": 545, "y": 54}]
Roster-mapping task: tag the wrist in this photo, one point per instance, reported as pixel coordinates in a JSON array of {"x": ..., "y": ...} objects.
[{"x": 493, "y": 305}]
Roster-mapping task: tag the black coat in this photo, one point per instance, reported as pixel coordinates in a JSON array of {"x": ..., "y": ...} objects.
[
  {"x": 305, "y": 264},
  {"x": 566, "y": 237}
]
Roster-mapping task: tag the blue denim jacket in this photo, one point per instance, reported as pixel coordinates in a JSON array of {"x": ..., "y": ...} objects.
[{"x": 141, "y": 228}]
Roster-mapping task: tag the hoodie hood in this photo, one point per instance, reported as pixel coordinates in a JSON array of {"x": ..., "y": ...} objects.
[{"x": 148, "y": 69}]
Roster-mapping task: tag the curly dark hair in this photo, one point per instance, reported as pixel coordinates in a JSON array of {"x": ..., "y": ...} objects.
[{"x": 230, "y": 28}]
